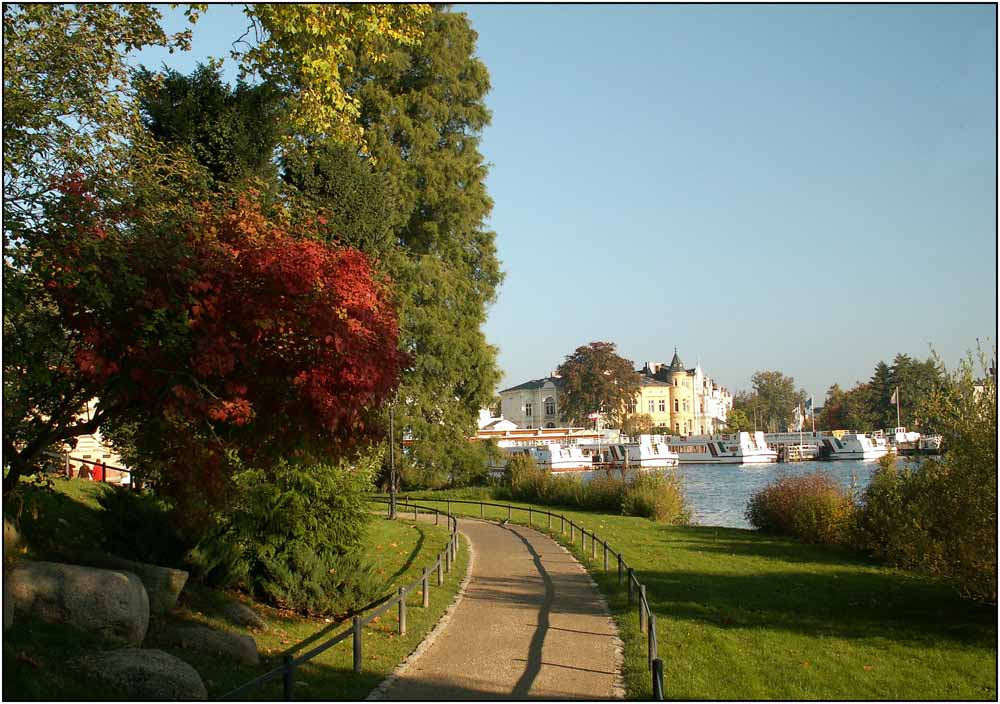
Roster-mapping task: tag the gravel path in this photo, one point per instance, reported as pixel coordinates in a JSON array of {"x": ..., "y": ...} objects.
[{"x": 531, "y": 625}]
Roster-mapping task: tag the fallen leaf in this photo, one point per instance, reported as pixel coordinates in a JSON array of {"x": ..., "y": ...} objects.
[
  {"x": 805, "y": 664},
  {"x": 869, "y": 668}
]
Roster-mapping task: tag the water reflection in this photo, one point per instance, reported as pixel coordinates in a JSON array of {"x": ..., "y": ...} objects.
[{"x": 718, "y": 493}]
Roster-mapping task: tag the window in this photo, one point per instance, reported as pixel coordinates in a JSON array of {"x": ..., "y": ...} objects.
[
  {"x": 685, "y": 404},
  {"x": 677, "y": 426},
  {"x": 677, "y": 405},
  {"x": 550, "y": 406},
  {"x": 527, "y": 411},
  {"x": 631, "y": 406},
  {"x": 651, "y": 405},
  {"x": 663, "y": 405}
]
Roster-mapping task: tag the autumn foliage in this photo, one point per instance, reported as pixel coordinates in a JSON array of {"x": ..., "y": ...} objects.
[{"x": 226, "y": 321}]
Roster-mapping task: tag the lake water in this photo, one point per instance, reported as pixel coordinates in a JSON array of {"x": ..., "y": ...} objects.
[{"x": 718, "y": 493}]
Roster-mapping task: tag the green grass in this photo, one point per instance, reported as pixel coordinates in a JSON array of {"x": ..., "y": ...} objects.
[
  {"x": 38, "y": 658},
  {"x": 741, "y": 615}
]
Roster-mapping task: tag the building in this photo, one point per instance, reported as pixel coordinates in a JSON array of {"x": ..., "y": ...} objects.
[
  {"x": 533, "y": 404},
  {"x": 687, "y": 401}
]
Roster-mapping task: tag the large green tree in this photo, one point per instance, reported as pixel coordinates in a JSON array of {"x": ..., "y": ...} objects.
[
  {"x": 776, "y": 398},
  {"x": 422, "y": 109},
  {"x": 596, "y": 379}
]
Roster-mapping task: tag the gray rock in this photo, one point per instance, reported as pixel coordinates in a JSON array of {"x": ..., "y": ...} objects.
[
  {"x": 11, "y": 539},
  {"x": 113, "y": 604},
  {"x": 141, "y": 674},
  {"x": 208, "y": 640},
  {"x": 8, "y": 607},
  {"x": 163, "y": 584},
  {"x": 240, "y": 614}
]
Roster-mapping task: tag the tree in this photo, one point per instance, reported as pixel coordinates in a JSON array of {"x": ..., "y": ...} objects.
[
  {"x": 637, "y": 424},
  {"x": 224, "y": 330},
  {"x": 776, "y": 398},
  {"x": 422, "y": 110},
  {"x": 233, "y": 133},
  {"x": 304, "y": 50},
  {"x": 737, "y": 420},
  {"x": 596, "y": 379}
]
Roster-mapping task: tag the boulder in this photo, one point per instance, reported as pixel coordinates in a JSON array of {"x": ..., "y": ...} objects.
[
  {"x": 8, "y": 606},
  {"x": 146, "y": 675},
  {"x": 240, "y": 614},
  {"x": 113, "y": 604},
  {"x": 11, "y": 539},
  {"x": 163, "y": 584},
  {"x": 237, "y": 647}
]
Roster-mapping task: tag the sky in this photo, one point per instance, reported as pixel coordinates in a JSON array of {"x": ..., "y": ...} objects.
[{"x": 803, "y": 188}]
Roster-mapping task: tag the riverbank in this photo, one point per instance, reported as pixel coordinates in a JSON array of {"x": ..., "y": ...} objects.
[{"x": 746, "y": 616}]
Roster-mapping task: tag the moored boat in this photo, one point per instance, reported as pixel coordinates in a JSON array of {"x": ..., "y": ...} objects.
[
  {"x": 852, "y": 446},
  {"x": 552, "y": 457},
  {"x": 732, "y": 448},
  {"x": 646, "y": 451}
]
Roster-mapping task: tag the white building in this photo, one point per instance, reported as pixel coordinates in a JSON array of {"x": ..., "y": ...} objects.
[{"x": 533, "y": 404}]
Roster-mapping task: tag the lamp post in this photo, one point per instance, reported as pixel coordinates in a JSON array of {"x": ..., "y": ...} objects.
[{"x": 392, "y": 460}]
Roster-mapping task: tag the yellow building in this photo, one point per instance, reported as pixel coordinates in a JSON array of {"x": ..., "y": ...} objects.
[{"x": 684, "y": 400}]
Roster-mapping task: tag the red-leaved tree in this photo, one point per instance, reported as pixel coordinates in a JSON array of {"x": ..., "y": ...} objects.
[{"x": 218, "y": 328}]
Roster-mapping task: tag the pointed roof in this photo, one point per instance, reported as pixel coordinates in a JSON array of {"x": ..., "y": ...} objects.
[{"x": 676, "y": 365}]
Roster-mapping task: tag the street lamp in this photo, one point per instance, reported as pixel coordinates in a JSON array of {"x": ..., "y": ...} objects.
[{"x": 392, "y": 460}]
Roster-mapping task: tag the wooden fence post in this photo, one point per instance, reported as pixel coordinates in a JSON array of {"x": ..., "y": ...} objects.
[
  {"x": 572, "y": 532},
  {"x": 529, "y": 516},
  {"x": 550, "y": 519},
  {"x": 605, "y": 555},
  {"x": 658, "y": 680},
  {"x": 426, "y": 584},
  {"x": 593, "y": 546},
  {"x": 508, "y": 512},
  {"x": 447, "y": 559},
  {"x": 288, "y": 677},
  {"x": 440, "y": 570},
  {"x": 449, "y": 507},
  {"x": 437, "y": 516},
  {"x": 619, "y": 569},
  {"x": 631, "y": 572},
  {"x": 402, "y": 611},
  {"x": 481, "y": 514},
  {"x": 643, "y": 620},
  {"x": 562, "y": 524},
  {"x": 357, "y": 645}
]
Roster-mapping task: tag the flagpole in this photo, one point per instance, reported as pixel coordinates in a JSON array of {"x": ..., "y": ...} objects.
[{"x": 897, "y": 406}]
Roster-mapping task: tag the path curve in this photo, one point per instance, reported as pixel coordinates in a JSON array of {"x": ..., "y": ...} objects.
[{"x": 531, "y": 625}]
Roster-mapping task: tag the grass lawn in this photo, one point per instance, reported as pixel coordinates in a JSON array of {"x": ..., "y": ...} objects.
[
  {"x": 37, "y": 657},
  {"x": 742, "y": 615}
]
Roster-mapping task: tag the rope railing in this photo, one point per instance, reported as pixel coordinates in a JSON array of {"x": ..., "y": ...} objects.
[
  {"x": 636, "y": 590},
  {"x": 286, "y": 671}
]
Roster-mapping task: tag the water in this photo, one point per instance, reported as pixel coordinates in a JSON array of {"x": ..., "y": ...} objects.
[{"x": 718, "y": 493}]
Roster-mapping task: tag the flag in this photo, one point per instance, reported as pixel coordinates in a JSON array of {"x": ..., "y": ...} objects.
[
  {"x": 809, "y": 404},
  {"x": 893, "y": 399},
  {"x": 594, "y": 416}
]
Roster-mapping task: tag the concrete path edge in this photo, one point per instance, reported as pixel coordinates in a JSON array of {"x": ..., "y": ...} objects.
[{"x": 379, "y": 691}]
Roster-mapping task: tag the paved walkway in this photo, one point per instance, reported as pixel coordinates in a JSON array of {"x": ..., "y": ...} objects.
[{"x": 530, "y": 626}]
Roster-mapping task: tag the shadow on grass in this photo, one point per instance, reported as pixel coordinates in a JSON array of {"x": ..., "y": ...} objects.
[
  {"x": 841, "y": 603},
  {"x": 411, "y": 558},
  {"x": 51, "y": 520}
]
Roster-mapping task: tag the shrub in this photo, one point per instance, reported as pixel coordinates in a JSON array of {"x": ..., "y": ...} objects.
[
  {"x": 138, "y": 525},
  {"x": 657, "y": 496},
  {"x": 293, "y": 536},
  {"x": 811, "y": 507},
  {"x": 940, "y": 516}
]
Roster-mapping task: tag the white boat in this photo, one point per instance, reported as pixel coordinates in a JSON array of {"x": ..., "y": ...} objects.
[
  {"x": 852, "y": 446},
  {"x": 734, "y": 448},
  {"x": 795, "y": 446},
  {"x": 647, "y": 451},
  {"x": 554, "y": 457},
  {"x": 913, "y": 443}
]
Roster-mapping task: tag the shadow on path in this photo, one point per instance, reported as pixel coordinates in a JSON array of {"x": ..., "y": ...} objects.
[{"x": 533, "y": 664}]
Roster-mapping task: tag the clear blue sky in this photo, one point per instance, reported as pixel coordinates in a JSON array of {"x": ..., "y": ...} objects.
[{"x": 803, "y": 188}]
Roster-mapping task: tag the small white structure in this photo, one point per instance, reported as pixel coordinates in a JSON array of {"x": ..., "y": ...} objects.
[{"x": 488, "y": 422}]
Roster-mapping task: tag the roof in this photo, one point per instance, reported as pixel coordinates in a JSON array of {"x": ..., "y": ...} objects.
[
  {"x": 676, "y": 365},
  {"x": 645, "y": 380},
  {"x": 534, "y": 384}
]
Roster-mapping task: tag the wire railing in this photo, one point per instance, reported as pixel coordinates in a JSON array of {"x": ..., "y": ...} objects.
[
  {"x": 290, "y": 662},
  {"x": 626, "y": 573}
]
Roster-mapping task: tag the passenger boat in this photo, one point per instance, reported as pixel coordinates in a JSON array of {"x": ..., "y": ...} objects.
[
  {"x": 733, "y": 448},
  {"x": 553, "y": 457},
  {"x": 852, "y": 446},
  {"x": 913, "y": 443},
  {"x": 647, "y": 451},
  {"x": 794, "y": 446}
]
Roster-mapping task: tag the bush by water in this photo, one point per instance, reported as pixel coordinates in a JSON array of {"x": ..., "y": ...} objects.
[{"x": 811, "y": 507}]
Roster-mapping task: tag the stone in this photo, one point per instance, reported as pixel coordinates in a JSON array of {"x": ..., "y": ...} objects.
[
  {"x": 8, "y": 606},
  {"x": 11, "y": 538},
  {"x": 240, "y": 614},
  {"x": 146, "y": 675},
  {"x": 163, "y": 584},
  {"x": 238, "y": 647},
  {"x": 110, "y": 603}
]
